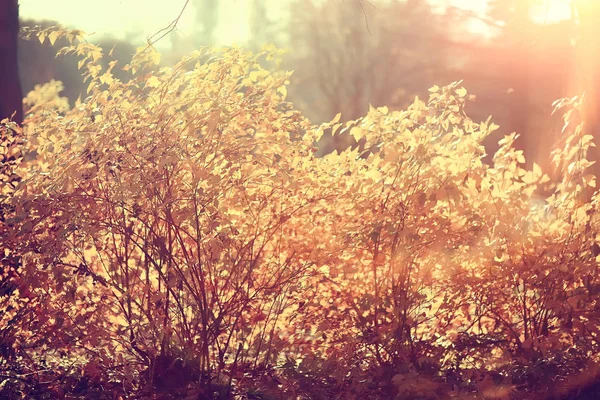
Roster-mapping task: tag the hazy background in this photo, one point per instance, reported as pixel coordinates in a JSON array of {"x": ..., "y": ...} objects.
[{"x": 517, "y": 56}]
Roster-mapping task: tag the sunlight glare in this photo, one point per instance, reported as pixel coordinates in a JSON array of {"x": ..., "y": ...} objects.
[
  {"x": 543, "y": 11},
  {"x": 551, "y": 11}
]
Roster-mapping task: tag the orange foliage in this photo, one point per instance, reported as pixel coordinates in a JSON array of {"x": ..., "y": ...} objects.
[{"x": 176, "y": 234}]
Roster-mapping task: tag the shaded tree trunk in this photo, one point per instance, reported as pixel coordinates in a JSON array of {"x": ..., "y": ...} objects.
[
  {"x": 11, "y": 95},
  {"x": 207, "y": 16}
]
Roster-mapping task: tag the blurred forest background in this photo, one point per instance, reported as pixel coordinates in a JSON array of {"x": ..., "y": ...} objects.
[{"x": 516, "y": 56}]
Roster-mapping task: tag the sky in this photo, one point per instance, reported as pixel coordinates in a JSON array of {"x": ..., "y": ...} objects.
[
  {"x": 139, "y": 19},
  {"x": 133, "y": 18}
]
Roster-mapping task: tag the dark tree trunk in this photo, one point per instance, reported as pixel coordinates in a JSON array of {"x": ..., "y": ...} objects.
[{"x": 11, "y": 95}]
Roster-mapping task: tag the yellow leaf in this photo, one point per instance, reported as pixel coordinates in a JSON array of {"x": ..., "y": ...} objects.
[
  {"x": 461, "y": 92},
  {"x": 356, "y": 133},
  {"x": 529, "y": 178},
  {"x": 319, "y": 134},
  {"x": 283, "y": 91},
  {"x": 537, "y": 171},
  {"x": 586, "y": 139},
  {"x": 53, "y": 36},
  {"x": 107, "y": 78},
  {"x": 335, "y": 128},
  {"x": 96, "y": 54},
  {"x": 153, "y": 82},
  {"x": 590, "y": 180},
  {"x": 255, "y": 76}
]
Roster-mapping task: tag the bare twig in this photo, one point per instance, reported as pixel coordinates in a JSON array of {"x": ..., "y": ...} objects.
[
  {"x": 365, "y": 13},
  {"x": 167, "y": 29}
]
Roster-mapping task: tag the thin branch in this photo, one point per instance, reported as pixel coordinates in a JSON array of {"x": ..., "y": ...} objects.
[
  {"x": 365, "y": 13},
  {"x": 168, "y": 29}
]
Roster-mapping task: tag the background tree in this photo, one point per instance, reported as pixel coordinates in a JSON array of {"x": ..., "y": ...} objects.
[
  {"x": 544, "y": 60},
  {"x": 10, "y": 88},
  {"x": 207, "y": 20},
  {"x": 523, "y": 63},
  {"x": 38, "y": 63},
  {"x": 263, "y": 29},
  {"x": 349, "y": 55}
]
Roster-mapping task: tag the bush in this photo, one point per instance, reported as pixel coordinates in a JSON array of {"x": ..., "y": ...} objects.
[{"x": 175, "y": 236}]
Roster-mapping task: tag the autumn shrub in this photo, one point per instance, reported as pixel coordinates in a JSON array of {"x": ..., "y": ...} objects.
[
  {"x": 454, "y": 276},
  {"x": 175, "y": 236},
  {"x": 157, "y": 216}
]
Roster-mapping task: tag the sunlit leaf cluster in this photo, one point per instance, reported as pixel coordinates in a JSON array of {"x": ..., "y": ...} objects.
[{"x": 176, "y": 234}]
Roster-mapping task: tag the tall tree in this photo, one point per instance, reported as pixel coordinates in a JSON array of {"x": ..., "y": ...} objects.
[
  {"x": 207, "y": 18},
  {"x": 11, "y": 95},
  {"x": 349, "y": 55},
  {"x": 260, "y": 25}
]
